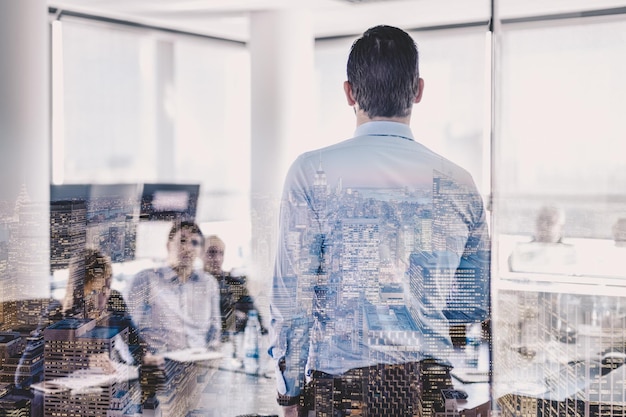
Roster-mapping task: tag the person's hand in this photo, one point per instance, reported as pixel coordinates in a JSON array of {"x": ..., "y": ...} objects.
[
  {"x": 151, "y": 359},
  {"x": 290, "y": 410}
]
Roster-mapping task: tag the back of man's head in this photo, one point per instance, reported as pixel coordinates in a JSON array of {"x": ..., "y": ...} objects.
[{"x": 383, "y": 71}]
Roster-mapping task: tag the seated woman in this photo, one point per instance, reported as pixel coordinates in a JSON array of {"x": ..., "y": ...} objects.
[
  {"x": 88, "y": 296},
  {"x": 88, "y": 293}
]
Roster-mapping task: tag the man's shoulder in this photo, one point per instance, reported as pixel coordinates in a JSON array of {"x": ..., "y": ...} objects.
[
  {"x": 205, "y": 278},
  {"x": 148, "y": 274},
  {"x": 234, "y": 278}
]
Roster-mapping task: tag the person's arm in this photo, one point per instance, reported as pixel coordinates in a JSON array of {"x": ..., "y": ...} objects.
[
  {"x": 290, "y": 318},
  {"x": 470, "y": 298},
  {"x": 244, "y": 304},
  {"x": 290, "y": 411},
  {"x": 139, "y": 306},
  {"x": 214, "y": 333}
]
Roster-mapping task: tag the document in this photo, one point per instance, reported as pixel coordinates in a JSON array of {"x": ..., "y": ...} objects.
[
  {"x": 193, "y": 355},
  {"x": 87, "y": 381}
]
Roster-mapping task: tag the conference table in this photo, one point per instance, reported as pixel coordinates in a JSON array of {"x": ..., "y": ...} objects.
[{"x": 230, "y": 392}]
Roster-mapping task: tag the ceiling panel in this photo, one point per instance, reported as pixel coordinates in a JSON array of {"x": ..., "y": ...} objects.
[{"x": 230, "y": 18}]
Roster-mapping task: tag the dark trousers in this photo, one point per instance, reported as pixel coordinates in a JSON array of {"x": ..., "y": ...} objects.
[{"x": 403, "y": 390}]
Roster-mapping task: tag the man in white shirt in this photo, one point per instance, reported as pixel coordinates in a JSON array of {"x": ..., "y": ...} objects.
[
  {"x": 383, "y": 245},
  {"x": 176, "y": 307}
]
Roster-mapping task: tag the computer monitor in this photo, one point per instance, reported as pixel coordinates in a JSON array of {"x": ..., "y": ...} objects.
[
  {"x": 68, "y": 223},
  {"x": 161, "y": 201}
]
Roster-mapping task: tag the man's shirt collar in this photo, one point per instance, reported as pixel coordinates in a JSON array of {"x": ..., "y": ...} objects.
[
  {"x": 170, "y": 276},
  {"x": 384, "y": 128}
]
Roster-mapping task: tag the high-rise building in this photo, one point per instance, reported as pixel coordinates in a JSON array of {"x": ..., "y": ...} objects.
[
  {"x": 11, "y": 349},
  {"x": 68, "y": 231},
  {"x": 29, "y": 248},
  {"x": 360, "y": 258},
  {"x": 447, "y": 195},
  {"x": 75, "y": 347}
]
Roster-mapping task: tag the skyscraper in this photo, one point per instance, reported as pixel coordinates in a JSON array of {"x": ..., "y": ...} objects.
[{"x": 78, "y": 349}]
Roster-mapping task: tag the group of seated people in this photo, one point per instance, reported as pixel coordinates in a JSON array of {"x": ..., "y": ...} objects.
[
  {"x": 175, "y": 306},
  {"x": 169, "y": 308}
]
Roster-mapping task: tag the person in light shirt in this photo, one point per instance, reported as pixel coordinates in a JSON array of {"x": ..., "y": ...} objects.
[
  {"x": 235, "y": 299},
  {"x": 375, "y": 211},
  {"x": 546, "y": 252},
  {"x": 176, "y": 306}
]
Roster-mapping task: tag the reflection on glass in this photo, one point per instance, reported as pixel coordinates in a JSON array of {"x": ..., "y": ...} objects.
[
  {"x": 559, "y": 316},
  {"x": 545, "y": 252},
  {"x": 562, "y": 142},
  {"x": 83, "y": 353},
  {"x": 558, "y": 352}
]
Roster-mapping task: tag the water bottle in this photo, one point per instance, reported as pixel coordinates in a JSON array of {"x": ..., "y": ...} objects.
[
  {"x": 251, "y": 344},
  {"x": 473, "y": 336}
]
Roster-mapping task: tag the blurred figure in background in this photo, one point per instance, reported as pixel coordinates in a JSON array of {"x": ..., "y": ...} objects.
[
  {"x": 619, "y": 232},
  {"x": 549, "y": 225},
  {"x": 88, "y": 293},
  {"x": 546, "y": 252},
  {"x": 235, "y": 299}
]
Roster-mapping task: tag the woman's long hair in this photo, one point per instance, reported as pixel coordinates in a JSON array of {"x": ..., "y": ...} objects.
[{"x": 84, "y": 269}]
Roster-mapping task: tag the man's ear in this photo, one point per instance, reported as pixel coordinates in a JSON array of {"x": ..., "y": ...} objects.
[
  {"x": 347, "y": 89},
  {"x": 418, "y": 97}
]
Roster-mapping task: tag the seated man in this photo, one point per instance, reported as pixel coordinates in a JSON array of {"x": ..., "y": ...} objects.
[
  {"x": 546, "y": 252},
  {"x": 235, "y": 301},
  {"x": 175, "y": 307},
  {"x": 619, "y": 232}
]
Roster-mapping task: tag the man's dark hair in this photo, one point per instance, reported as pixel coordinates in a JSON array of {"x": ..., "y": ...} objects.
[
  {"x": 383, "y": 70},
  {"x": 185, "y": 224}
]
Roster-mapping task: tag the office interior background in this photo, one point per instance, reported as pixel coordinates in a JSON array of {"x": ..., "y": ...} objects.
[{"x": 225, "y": 94}]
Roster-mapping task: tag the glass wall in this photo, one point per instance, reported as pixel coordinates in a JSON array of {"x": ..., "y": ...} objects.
[
  {"x": 140, "y": 106},
  {"x": 559, "y": 180}
]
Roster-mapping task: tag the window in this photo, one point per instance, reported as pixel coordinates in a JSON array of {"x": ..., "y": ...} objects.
[
  {"x": 559, "y": 311},
  {"x": 561, "y": 137},
  {"x": 140, "y": 106}
]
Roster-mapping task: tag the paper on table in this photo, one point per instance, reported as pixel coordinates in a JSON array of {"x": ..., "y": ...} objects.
[
  {"x": 470, "y": 376},
  {"x": 88, "y": 380},
  {"x": 193, "y": 355}
]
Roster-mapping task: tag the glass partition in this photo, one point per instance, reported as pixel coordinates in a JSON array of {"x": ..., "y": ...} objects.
[
  {"x": 561, "y": 145},
  {"x": 142, "y": 106},
  {"x": 559, "y": 315}
]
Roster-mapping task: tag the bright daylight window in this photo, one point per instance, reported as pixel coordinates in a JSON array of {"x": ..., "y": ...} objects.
[
  {"x": 141, "y": 106},
  {"x": 561, "y": 140},
  {"x": 559, "y": 312}
]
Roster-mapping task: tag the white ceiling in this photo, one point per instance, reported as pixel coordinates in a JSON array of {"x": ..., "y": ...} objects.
[{"x": 230, "y": 19}]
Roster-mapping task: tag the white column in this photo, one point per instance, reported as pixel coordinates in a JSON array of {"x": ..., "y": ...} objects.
[
  {"x": 283, "y": 82},
  {"x": 165, "y": 127},
  {"x": 24, "y": 149}
]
